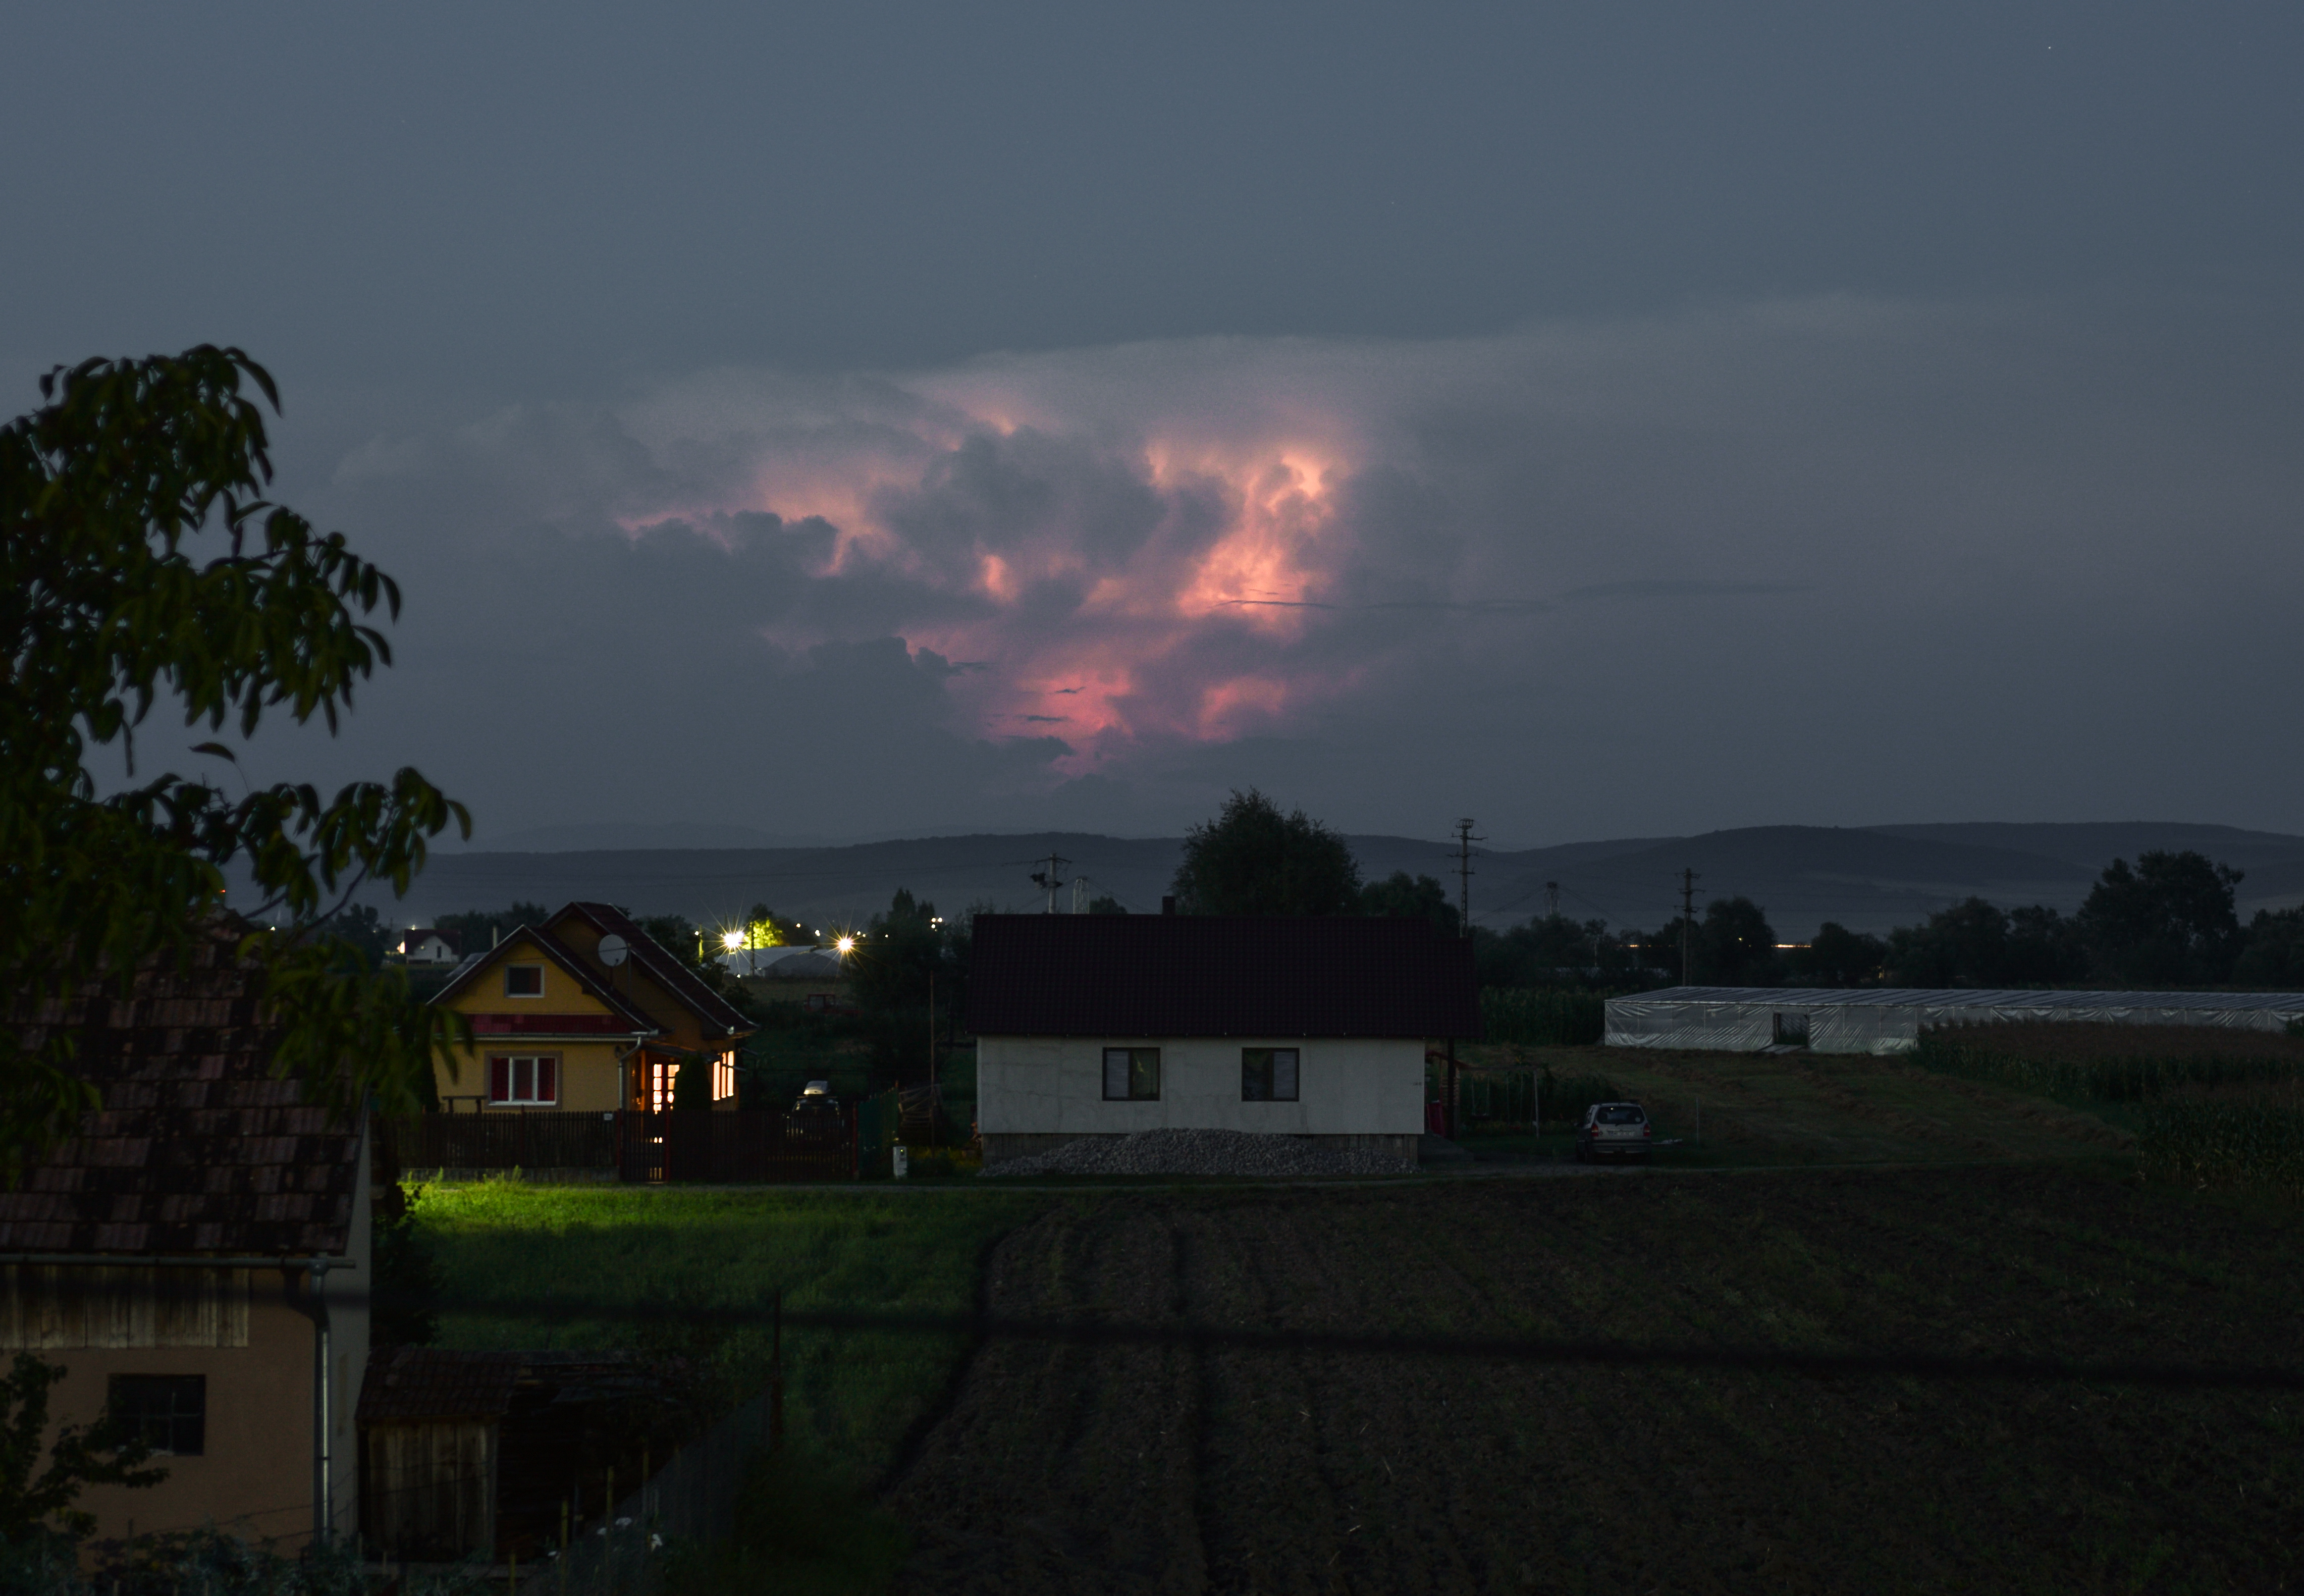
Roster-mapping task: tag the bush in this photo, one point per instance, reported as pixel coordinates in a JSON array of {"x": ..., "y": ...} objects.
[{"x": 1543, "y": 1016}]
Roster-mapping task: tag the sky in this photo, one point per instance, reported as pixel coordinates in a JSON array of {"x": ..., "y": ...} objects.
[{"x": 888, "y": 419}]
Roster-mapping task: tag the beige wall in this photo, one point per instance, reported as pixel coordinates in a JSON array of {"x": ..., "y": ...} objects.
[
  {"x": 1050, "y": 1085},
  {"x": 254, "y": 1473},
  {"x": 591, "y": 1077}
]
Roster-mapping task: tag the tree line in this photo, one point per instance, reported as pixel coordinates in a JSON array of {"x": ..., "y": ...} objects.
[{"x": 2166, "y": 921}]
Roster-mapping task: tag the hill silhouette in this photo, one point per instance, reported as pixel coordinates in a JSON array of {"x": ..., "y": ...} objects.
[{"x": 1866, "y": 877}]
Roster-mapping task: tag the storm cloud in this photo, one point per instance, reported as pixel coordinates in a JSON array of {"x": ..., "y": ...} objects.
[{"x": 1833, "y": 560}]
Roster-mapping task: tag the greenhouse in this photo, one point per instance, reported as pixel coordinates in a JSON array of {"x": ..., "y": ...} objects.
[{"x": 1889, "y": 1019}]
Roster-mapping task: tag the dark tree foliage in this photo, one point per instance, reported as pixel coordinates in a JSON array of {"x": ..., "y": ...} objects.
[
  {"x": 1964, "y": 946},
  {"x": 477, "y": 930},
  {"x": 2275, "y": 955},
  {"x": 2169, "y": 922},
  {"x": 1548, "y": 950},
  {"x": 696, "y": 950},
  {"x": 2044, "y": 948},
  {"x": 33, "y": 1504},
  {"x": 361, "y": 927},
  {"x": 106, "y": 492},
  {"x": 1732, "y": 944},
  {"x": 1978, "y": 944},
  {"x": 900, "y": 950},
  {"x": 407, "y": 1275},
  {"x": 1103, "y": 903},
  {"x": 1253, "y": 859},
  {"x": 1403, "y": 897},
  {"x": 1735, "y": 946},
  {"x": 1836, "y": 956}
]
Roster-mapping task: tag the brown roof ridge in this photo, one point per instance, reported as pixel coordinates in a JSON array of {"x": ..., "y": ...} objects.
[
  {"x": 666, "y": 971},
  {"x": 560, "y": 953}
]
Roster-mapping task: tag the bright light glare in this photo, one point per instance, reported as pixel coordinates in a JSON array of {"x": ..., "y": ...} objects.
[
  {"x": 734, "y": 941},
  {"x": 846, "y": 944}
]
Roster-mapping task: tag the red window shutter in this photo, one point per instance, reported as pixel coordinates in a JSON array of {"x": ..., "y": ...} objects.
[
  {"x": 548, "y": 1080},
  {"x": 499, "y": 1080}
]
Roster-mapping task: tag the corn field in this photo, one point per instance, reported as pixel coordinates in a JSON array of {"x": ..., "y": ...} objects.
[
  {"x": 2139, "y": 1066},
  {"x": 2216, "y": 1108},
  {"x": 1543, "y": 1016},
  {"x": 2227, "y": 1143}
]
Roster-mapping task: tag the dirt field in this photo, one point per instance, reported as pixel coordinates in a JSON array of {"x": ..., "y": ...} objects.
[{"x": 1073, "y": 1468}]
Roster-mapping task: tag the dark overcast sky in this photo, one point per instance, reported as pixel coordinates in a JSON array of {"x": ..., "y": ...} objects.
[{"x": 1599, "y": 419}]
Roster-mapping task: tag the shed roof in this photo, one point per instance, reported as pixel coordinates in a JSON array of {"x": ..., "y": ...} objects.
[
  {"x": 412, "y": 1384},
  {"x": 1219, "y": 975},
  {"x": 198, "y": 1149},
  {"x": 2072, "y": 1004}
]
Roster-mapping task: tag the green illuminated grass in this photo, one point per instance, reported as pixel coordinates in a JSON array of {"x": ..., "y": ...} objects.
[{"x": 549, "y": 1255}]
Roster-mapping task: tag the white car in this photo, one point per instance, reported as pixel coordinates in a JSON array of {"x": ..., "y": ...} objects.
[{"x": 1614, "y": 1131}]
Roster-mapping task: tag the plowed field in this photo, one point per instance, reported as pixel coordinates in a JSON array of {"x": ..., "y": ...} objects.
[{"x": 1069, "y": 1468}]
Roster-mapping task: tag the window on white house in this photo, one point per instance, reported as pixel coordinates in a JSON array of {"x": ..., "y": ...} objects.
[
  {"x": 1267, "y": 1074},
  {"x": 520, "y": 1080},
  {"x": 1132, "y": 1074},
  {"x": 168, "y": 1412},
  {"x": 523, "y": 980}
]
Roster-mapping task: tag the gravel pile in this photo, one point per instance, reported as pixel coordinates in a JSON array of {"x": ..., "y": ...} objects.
[{"x": 1202, "y": 1152}]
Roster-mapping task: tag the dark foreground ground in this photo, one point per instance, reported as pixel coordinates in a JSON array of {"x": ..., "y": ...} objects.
[{"x": 1072, "y": 1468}]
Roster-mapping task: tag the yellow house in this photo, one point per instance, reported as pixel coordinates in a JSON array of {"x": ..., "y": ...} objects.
[{"x": 585, "y": 1012}]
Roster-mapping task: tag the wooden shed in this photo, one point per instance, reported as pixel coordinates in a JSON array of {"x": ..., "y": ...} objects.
[
  {"x": 483, "y": 1453},
  {"x": 431, "y": 1426}
]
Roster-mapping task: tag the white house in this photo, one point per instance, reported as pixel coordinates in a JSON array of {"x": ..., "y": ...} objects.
[
  {"x": 1104, "y": 1025},
  {"x": 423, "y": 946}
]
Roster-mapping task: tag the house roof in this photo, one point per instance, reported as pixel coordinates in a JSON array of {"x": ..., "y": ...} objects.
[
  {"x": 407, "y": 1384},
  {"x": 198, "y": 1149},
  {"x": 1219, "y": 975},
  {"x": 634, "y": 1018},
  {"x": 668, "y": 971}
]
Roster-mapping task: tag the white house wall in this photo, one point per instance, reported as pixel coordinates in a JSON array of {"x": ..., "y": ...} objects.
[{"x": 1034, "y": 1085}]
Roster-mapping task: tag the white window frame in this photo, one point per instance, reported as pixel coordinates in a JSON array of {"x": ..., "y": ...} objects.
[
  {"x": 1130, "y": 1096},
  {"x": 512, "y": 1061},
  {"x": 1295, "y": 1076}
]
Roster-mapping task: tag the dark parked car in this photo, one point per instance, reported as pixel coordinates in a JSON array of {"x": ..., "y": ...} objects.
[{"x": 1612, "y": 1131}]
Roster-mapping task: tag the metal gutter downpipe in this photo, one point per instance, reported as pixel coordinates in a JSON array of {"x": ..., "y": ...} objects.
[{"x": 323, "y": 1504}]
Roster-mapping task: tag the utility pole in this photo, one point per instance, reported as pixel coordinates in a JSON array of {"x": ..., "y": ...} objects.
[
  {"x": 1551, "y": 900},
  {"x": 1687, "y": 921},
  {"x": 1464, "y": 841},
  {"x": 1051, "y": 879},
  {"x": 1079, "y": 895}
]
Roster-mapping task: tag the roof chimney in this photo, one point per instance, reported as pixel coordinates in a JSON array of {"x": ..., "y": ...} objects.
[{"x": 1167, "y": 905}]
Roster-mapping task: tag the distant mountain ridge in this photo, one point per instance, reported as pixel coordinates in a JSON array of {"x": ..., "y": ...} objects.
[{"x": 1866, "y": 878}]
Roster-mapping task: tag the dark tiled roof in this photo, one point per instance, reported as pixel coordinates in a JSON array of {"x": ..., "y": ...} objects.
[
  {"x": 197, "y": 1148},
  {"x": 1211, "y": 975},
  {"x": 406, "y": 1384},
  {"x": 662, "y": 967},
  {"x": 561, "y": 954},
  {"x": 423, "y": 1382}
]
